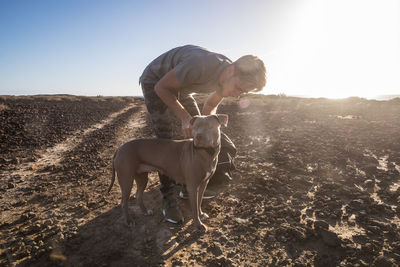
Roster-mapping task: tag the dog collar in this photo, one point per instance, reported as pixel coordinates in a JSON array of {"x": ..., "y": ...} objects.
[{"x": 209, "y": 150}]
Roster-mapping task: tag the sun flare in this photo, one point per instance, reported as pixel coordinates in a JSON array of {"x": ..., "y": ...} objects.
[{"x": 335, "y": 52}]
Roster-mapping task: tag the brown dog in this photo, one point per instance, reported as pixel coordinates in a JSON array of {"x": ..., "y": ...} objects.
[{"x": 191, "y": 162}]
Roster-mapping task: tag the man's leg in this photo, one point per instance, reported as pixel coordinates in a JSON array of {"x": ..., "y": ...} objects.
[
  {"x": 225, "y": 161},
  {"x": 162, "y": 126}
]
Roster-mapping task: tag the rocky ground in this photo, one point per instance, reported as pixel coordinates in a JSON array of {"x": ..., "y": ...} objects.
[{"x": 317, "y": 184}]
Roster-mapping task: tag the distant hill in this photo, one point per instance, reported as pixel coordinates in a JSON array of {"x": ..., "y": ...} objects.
[
  {"x": 378, "y": 97},
  {"x": 386, "y": 97}
]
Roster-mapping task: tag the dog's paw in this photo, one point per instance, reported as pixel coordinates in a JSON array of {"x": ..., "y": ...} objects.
[
  {"x": 204, "y": 216},
  {"x": 148, "y": 213},
  {"x": 201, "y": 228}
]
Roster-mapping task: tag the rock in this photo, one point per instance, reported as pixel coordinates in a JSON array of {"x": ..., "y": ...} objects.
[
  {"x": 368, "y": 248},
  {"x": 302, "y": 180},
  {"x": 215, "y": 250},
  {"x": 374, "y": 229},
  {"x": 177, "y": 263},
  {"x": 369, "y": 183},
  {"x": 382, "y": 261},
  {"x": 297, "y": 233},
  {"x": 351, "y": 223},
  {"x": 241, "y": 221},
  {"x": 361, "y": 239},
  {"x": 309, "y": 212},
  {"x": 230, "y": 244},
  {"x": 320, "y": 214},
  {"x": 223, "y": 240},
  {"x": 23, "y": 218},
  {"x": 231, "y": 254},
  {"x": 321, "y": 225},
  {"x": 221, "y": 261},
  {"x": 91, "y": 204},
  {"x": 19, "y": 203},
  {"x": 310, "y": 232},
  {"x": 356, "y": 203},
  {"x": 330, "y": 238},
  {"x": 309, "y": 222}
]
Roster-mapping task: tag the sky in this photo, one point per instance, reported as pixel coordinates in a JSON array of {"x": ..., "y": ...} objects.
[{"x": 315, "y": 48}]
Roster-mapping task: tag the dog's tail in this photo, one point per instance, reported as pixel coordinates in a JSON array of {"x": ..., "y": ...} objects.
[{"x": 113, "y": 175}]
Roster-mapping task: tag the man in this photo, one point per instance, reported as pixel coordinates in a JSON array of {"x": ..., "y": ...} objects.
[{"x": 167, "y": 83}]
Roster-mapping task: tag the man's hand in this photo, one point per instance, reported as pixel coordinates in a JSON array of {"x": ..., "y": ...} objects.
[
  {"x": 164, "y": 88},
  {"x": 187, "y": 128},
  {"x": 211, "y": 104}
]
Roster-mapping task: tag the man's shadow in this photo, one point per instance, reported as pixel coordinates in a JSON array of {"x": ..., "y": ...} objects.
[{"x": 106, "y": 240}]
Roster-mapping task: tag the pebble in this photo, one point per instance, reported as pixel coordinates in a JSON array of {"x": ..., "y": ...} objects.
[
  {"x": 215, "y": 250},
  {"x": 177, "y": 263},
  {"x": 241, "y": 221},
  {"x": 321, "y": 225},
  {"x": 382, "y": 261},
  {"x": 369, "y": 183},
  {"x": 356, "y": 203},
  {"x": 230, "y": 244},
  {"x": 368, "y": 248},
  {"x": 330, "y": 238}
]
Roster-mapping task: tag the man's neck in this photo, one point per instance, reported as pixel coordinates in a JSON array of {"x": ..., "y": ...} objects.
[{"x": 226, "y": 74}]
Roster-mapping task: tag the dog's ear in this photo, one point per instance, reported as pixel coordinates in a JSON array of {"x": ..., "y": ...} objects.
[
  {"x": 193, "y": 119},
  {"x": 222, "y": 118}
]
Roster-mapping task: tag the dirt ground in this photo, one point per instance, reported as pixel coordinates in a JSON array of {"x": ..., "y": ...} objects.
[{"x": 317, "y": 184}]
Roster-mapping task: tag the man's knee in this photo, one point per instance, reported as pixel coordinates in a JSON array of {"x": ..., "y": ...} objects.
[
  {"x": 166, "y": 185},
  {"x": 227, "y": 145}
]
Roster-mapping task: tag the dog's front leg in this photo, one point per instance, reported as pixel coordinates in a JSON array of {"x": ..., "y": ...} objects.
[
  {"x": 193, "y": 190},
  {"x": 202, "y": 189}
]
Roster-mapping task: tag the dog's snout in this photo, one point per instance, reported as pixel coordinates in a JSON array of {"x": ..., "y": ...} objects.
[{"x": 200, "y": 136}]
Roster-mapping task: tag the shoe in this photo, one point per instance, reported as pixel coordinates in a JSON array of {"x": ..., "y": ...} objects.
[
  {"x": 208, "y": 194},
  {"x": 171, "y": 211},
  {"x": 220, "y": 178}
]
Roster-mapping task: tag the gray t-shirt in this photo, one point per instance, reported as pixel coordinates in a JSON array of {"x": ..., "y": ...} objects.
[{"x": 196, "y": 68}]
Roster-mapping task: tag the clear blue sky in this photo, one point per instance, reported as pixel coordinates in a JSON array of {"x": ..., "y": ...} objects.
[{"x": 96, "y": 47}]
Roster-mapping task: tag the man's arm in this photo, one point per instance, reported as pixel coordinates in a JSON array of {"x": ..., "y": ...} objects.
[
  {"x": 211, "y": 104},
  {"x": 164, "y": 89}
]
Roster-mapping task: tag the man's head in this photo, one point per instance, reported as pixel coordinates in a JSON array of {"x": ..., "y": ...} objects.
[{"x": 247, "y": 74}]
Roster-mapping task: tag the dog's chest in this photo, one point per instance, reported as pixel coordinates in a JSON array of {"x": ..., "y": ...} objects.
[{"x": 209, "y": 169}]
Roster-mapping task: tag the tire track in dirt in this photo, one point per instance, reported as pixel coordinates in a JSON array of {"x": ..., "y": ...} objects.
[
  {"x": 54, "y": 154},
  {"x": 56, "y": 205}
]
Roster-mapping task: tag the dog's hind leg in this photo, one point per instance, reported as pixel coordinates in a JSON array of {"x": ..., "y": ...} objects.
[
  {"x": 126, "y": 183},
  {"x": 141, "y": 182}
]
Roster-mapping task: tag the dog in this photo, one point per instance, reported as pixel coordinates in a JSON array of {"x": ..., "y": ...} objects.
[{"x": 190, "y": 161}]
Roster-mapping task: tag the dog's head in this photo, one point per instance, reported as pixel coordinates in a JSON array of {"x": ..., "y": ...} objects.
[{"x": 206, "y": 129}]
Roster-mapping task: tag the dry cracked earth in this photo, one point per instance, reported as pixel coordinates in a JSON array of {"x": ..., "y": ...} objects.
[{"x": 317, "y": 184}]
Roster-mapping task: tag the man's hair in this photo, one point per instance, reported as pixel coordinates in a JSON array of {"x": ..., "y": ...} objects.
[{"x": 251, "y": 72}]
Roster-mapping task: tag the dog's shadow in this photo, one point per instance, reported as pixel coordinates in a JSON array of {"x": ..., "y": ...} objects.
[{"x": 107, "y": 241}]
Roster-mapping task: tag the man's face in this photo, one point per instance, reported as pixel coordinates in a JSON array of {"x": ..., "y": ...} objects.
[{"x": 233, "y": 87}]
